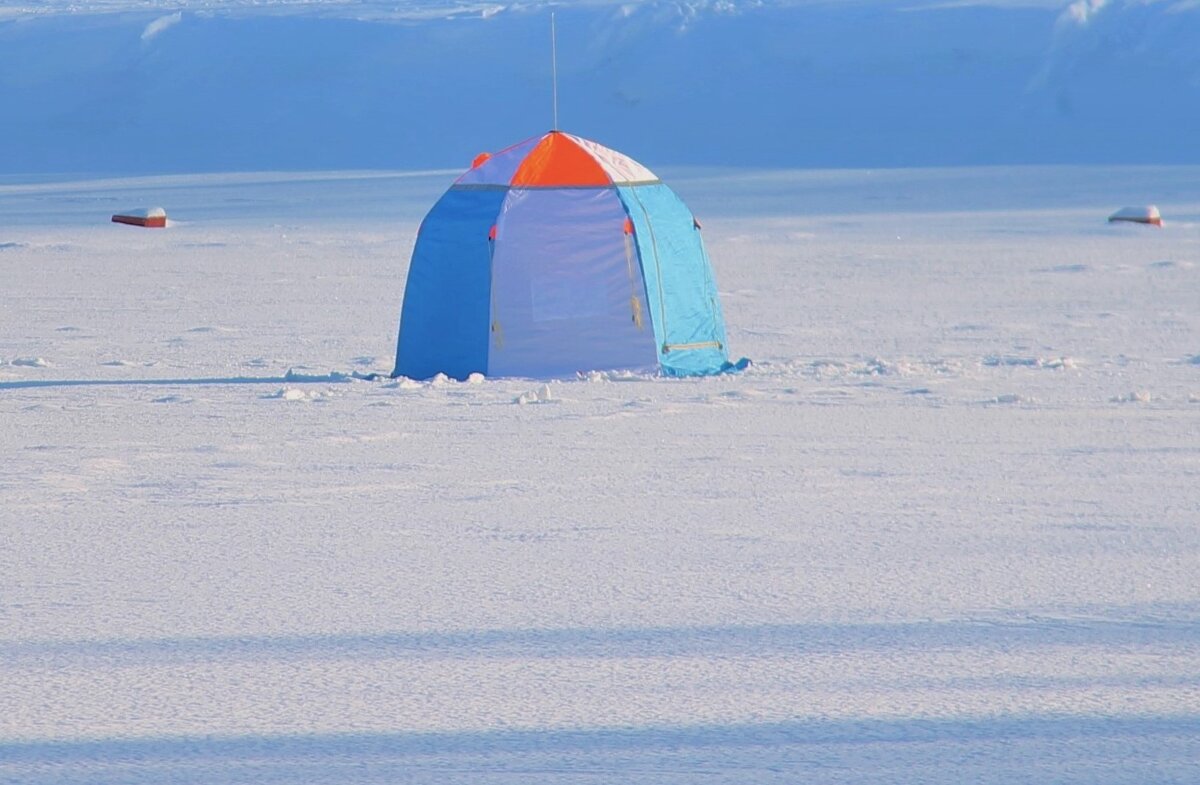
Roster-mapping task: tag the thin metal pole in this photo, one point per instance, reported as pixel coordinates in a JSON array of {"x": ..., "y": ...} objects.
[{"x": 554, "y": 68}]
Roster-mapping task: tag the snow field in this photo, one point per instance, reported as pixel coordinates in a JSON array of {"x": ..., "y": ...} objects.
[{"x": 942, "y": 530}]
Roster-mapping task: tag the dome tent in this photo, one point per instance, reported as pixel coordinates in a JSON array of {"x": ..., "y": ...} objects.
[{"x": 555, "y": 256}]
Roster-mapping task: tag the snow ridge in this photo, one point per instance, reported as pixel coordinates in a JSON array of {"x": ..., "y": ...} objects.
[{"x": 338, "y": 85}]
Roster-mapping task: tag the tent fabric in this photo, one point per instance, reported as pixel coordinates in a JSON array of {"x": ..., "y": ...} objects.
[
  {"x": 576, "y": 161},
  {"x": 558, "y": 160},
  {"x": 444, "y": 319},
  {"x": 499, "y": 168},
  {"x": 558, "y": 256},
  {"x": 621, "y": 169},
  {"x": 561, "y": 286},
  {"x": 689, "y": 328}
]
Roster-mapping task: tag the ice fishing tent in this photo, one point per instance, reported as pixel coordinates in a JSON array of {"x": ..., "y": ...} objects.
[
  {"x": 555, "y": 256},
  {"x": 1137, "y": 215},
  {"x": 150, "y": 217}
]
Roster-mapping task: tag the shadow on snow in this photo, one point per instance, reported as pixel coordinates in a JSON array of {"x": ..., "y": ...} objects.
[
  {"x": 716, "y": 641},
  {"x": 288, "y": 378},
  {"x": 1024, "y": 748}
]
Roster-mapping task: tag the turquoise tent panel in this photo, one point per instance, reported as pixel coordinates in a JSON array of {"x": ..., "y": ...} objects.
[
  {"x": 567, "y": 290},
  {"x": 444, "y": 319},
  {"x": 688, "y": 324}
]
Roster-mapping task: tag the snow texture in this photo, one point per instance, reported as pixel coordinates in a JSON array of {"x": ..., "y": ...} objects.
[{"x": 942, "y": 531}]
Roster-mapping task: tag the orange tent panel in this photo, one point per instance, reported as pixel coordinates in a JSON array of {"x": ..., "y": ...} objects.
[{"x": 558, "y": 161}]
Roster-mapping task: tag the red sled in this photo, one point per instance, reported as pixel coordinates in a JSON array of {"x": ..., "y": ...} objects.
[{"x": 152, "y": 218}]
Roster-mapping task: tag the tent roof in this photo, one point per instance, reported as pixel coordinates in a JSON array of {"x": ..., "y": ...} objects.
[{"x": 556, "y": 159}]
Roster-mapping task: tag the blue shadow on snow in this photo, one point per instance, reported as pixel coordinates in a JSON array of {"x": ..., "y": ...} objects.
[
  {"x": 1005, "y": 748},
  {"x": 288, "y": 378}
]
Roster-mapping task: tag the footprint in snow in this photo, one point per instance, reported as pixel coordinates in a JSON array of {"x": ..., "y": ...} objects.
[
  {"x": 1014, "y": 361},
  {"x": 1066, "y": 268},
  {"x": 30, "y": 362},
  {"x": 737, "y": 395},
  {"x": 173, "y": 399},
  {"x": 212, "y": 329}
]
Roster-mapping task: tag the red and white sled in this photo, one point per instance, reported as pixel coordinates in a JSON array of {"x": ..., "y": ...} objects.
[
  {"x": 1137, "y": 215},
  {"x": 152, "y": 217}
]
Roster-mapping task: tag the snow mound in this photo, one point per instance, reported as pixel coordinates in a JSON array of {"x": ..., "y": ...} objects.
[
  {"x": 296, "y": 394},
  {"x": 877, "y": 366},
  {"x": 540, "y": 395},
  {"x": 30, "y": 362},
  {"x": 611, "y": 376},
  {"x": 1016, "y": 361},
  {"x": 1136, "y": 396}
]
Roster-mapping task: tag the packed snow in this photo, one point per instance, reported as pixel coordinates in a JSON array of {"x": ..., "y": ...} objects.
[{"x": 943, "y": 529}]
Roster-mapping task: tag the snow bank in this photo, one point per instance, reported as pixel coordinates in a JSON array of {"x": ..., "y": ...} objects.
[{"x": 766, "y": 84}]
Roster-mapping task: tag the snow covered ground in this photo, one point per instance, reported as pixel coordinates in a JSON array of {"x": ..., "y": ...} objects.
[{"x": 944, "y": 529}]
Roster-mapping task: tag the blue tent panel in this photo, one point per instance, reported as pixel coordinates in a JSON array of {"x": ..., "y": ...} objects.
[
  {"x": 688, "y": 324},
  {"x": 444, "y": 320}
]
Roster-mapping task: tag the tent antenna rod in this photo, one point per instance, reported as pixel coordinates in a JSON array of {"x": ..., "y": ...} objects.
[{"x": 554, "y": 68}]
